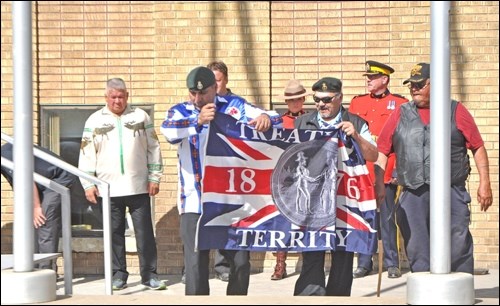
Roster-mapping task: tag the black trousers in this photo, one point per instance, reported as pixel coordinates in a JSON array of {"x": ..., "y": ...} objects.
[
  {"x": 140, "y": 211},
  {"x": 388, "y": 231},
  {"x": 47, "y": 236},
  {"x": 221, "y": 265},
  {"x": 196, "y": 263},
  {"x": 312, "y": 277}
]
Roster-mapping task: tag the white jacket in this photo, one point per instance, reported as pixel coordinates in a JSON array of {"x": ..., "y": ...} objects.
[{"x": 123, "y": 151}]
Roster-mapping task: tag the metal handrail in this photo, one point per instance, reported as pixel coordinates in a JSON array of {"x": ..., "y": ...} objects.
[
  {"x": 106, "y": 211},
  {"x": 65, "y": 221}
]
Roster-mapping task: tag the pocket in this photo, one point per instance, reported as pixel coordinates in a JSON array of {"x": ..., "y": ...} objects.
[{"x": 462, "y": 194}]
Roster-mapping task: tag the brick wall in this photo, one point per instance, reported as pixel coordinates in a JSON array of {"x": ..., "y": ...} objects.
[{"x": 152, "y": 45}]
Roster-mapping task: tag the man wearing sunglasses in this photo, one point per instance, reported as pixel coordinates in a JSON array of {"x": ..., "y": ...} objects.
[
  {"x": 330, "y": 114},
  {"x": 375, "y": 107},
  {"x": 407, "y": 133}
]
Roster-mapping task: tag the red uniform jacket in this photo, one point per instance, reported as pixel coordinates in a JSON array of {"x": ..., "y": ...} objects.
[
  {"x": 289, "y": 118},
  {"x": 375, "y": 110}
]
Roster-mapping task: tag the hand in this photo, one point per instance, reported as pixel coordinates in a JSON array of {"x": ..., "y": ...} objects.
[
  {"x": 153, "y": 188},
  {"x": 380, "y": 193},
  {"x": 38, "y": 217},
  {"x": 91, "y": 194},
  {"x": 484, "y": 196},
  {"x": 207, "y": 114},
  {"x": 262, "y": 123},
  {"x": 348, "y": 129}
]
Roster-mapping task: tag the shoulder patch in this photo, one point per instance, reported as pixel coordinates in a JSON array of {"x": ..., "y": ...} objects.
[{"x": 359, "y": 96}]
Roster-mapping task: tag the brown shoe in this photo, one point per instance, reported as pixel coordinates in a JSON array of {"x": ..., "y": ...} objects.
[
  {"x": 279, "y": 271},
  {"x": 393, "y": 272}
]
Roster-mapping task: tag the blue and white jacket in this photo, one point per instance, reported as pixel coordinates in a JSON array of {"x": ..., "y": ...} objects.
[{"x": 181, "y": 128}]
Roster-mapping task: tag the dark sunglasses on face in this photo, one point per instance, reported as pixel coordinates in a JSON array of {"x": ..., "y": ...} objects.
[
  {"x": 324, "y": 99},
  {"x": 418, "y": 86}
]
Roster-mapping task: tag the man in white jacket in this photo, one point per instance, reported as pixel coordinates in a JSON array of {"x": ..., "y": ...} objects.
[{"x": 120, "y": 146}]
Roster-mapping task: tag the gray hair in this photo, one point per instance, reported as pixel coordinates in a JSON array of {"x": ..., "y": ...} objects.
[{"x": 115, "y": 83}]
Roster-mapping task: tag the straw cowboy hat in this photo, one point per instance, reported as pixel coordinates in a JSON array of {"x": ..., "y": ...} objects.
[{"x": 294, "y": 90}]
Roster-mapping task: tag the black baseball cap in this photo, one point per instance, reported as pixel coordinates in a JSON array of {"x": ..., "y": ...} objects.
[{"x": 419, "y": 72}]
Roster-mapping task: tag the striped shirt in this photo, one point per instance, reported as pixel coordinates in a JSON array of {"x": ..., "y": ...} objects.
[{"x": 181, "y": 128}]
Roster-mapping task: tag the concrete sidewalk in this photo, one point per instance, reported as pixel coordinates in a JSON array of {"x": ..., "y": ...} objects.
[{"x": 262, "y": 291}]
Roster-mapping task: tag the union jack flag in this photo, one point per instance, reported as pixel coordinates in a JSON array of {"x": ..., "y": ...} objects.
[{"x": 240, "y": 213}]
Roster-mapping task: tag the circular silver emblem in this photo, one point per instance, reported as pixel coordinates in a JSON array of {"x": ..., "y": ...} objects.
[{"x": 304, "y": 183}]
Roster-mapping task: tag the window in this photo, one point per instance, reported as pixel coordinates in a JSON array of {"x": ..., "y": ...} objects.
[{"x": 61, "y": 128}]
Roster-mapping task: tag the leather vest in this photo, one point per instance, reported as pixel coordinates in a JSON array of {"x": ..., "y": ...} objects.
[{"x": 411, "y": 142}]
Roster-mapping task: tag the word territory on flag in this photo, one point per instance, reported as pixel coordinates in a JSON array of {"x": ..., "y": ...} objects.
[{"x": 285, "y": 189}]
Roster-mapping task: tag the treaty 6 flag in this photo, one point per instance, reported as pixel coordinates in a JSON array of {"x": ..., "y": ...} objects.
[{"x": 285, "y": 189}]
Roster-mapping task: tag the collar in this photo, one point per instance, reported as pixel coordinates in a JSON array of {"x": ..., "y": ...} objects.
[
  {"x": 330, "y": 124},
  {"x": 106, "y": 111},
  {"x": 289, "y": 113},
  {"x": 228, "y": 93},
  {"x": 382, "y": 95}
]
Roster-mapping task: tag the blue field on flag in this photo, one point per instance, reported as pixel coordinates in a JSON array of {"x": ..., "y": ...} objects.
[{"x": 285, "y": 189}]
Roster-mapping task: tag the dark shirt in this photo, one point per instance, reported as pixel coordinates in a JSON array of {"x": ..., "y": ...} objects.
[{"x": 41, "y": 167}]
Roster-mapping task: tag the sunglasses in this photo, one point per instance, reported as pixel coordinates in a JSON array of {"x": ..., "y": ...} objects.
[
  {"x": 418, "y": 86},
  {"x": 325, "y": 99}
]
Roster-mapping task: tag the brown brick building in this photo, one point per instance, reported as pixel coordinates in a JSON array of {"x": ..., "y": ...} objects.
[{"x": 152, "y": 45}]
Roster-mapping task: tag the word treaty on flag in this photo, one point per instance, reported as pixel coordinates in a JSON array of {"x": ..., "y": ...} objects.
[{"x": 285, "y": 189}]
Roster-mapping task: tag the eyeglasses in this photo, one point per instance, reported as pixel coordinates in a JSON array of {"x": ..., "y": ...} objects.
[
  {"x": 418, "y": 86},
  {"x": 325, "y": 99}
]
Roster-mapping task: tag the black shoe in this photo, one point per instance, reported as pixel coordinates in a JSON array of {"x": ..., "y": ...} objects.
[
  {"x": 393, "y": 272},
  {"x": 155, "y": 284},
  {"x": 360, "y": 272},
  {"x": 119, "y": 284},
  {"x": 222, "y": 276}
]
